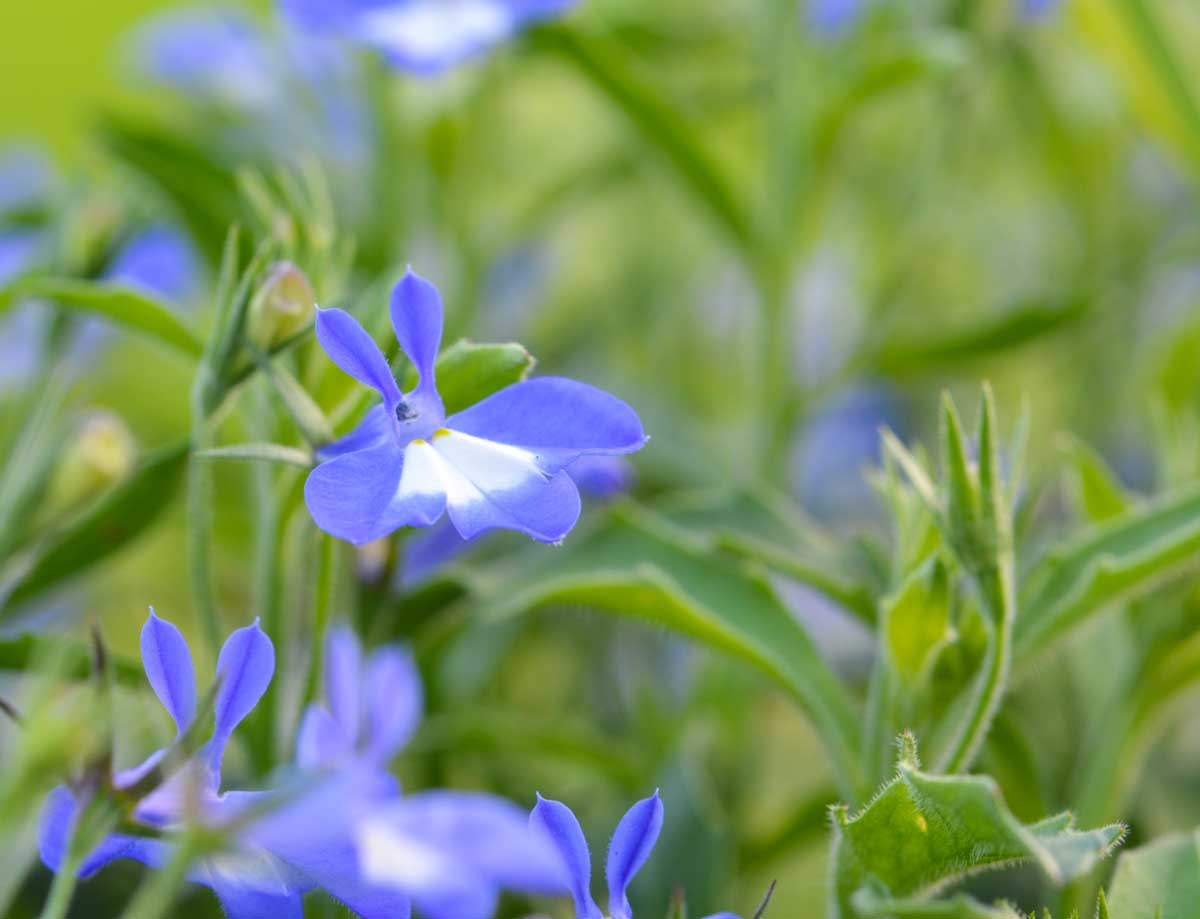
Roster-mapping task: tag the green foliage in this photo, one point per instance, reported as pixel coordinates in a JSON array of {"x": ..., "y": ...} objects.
[
  {"x": 922, "y": 832},
  {"x": 1158, "y": 881},
  {"x": 468, "y": 372}
]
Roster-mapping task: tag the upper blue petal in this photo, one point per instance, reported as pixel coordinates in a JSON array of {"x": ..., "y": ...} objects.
[
  {"x": 355, "y": 352},
  {"x": 394, "y": 701},
  {"x": 168, "y": 665},
  {"x": 343, "y": 691},
  {"x": 416, "y": 310},
  {"x": 631, "y": 845},
  {"x": 244, "y": 668},
  {"x": 562, "y": 829},
  {"x": 557, "y": 419}
]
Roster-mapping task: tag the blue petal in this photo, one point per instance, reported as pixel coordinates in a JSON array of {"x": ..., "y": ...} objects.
[
  {"x": 631, "y": 845},
  {"x": 394, "y": 700},
  {"x": 247, "y": 902},
  {"x": 833, "y": 17},
  {"x": 602, "y": 476},
  {"x": 427, "y": 552},
  {"x": 244, "y": 669},
  {"x": 557, "y": 419},
  {"x": 25, "y": 178},
  {"x": 560, "y": 827},
  {"x": 374, "y": 430},
  {"x": 313, "y": 834},
  {"x": 453, "y": 851},
  {"x": 168, "y": 665},
  {"x": 54, "y": 835},
  {"x": 723, "y": 916},
  {"x": 159, "y": 259},
  {"x": 343, "y": 663},
  {"x": 357, "y": 497},
  {"x": 355, "y": 352},
  {"x": 417, "y": 318},
  {"x": 320, "y": 743}
]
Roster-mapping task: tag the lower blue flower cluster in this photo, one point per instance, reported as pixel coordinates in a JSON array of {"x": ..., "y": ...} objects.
[{"x": 337, "y": 820}]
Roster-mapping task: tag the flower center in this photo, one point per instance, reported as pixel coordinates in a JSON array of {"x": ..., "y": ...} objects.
[{"x": 405, "y": 413}]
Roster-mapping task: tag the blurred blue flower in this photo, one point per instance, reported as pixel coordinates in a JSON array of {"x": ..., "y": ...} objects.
[
  {"x": 833, "y": 17},
  {"x": 1038, "y": 9},
  {"x": 20, "y": 250},
  {"x": 158, "y": 259},
  {"x": 422, "y": 36},
  {"x": 220, "y": 55},
  {"x": 840, "y": 440},
  {"x": 498, "y": 464},
  {"x": 26, "y": 178},
  {"x": 271, "y": 860},
  {"x": 450, "y": 852},
  {"x": 631, "y": 845}
]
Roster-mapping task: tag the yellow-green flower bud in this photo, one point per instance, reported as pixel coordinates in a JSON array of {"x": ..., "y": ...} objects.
[
  {"x": 282, "y": 307},
  {"x": 99, "y": 454}
]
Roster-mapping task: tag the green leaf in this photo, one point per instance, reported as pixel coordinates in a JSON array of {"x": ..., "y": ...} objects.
[
  {"x": 1099, "y": 493},
  {"x": 468, "y": 372},
  {"x": 1109, "y": 564},
  {"x": 1162, "y": 878},
  {"x": 657, "y": 120},
  {"x": 923, "y": 831},
  {"x": 126, "y": 306},
  {"x": 259, "y": 453},
  {"x": 109, "y": 525},
  {"x": 71, "y": 659},
  {"x": 960, "y": 906},
  {"x": 1016, "y": 327},
  {"x": 916, "y": 623},
  {"x": 642, "y": 566}
]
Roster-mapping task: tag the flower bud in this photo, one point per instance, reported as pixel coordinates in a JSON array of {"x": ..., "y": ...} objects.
[
  {"x": 282, "y": 307},
  {"x": 100, "y": 453}
]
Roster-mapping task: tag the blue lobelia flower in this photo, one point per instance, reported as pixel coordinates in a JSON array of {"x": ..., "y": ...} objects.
[
  {"x": 272, "y": 859},
  {"x": 832, "y": 18},
  {"x": 497, "y": 464},
  {"x": 449, "y": 852},
  {"x": 422, "y": 36},
  {"x": 631, "y": 844},
  {"x": 158, "y": 259}
]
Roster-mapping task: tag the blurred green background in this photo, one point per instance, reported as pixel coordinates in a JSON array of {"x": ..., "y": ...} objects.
[{"x": 953, "y": 192}]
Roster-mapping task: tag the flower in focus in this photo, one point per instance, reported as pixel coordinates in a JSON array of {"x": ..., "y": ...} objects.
[
  {"x": 631, "y": 844},
  {"x": 159, "y": 260},
  {"x": 500, "y": 463},
  {"x": 449, "y": 852},
  {"x": 422, "y": 36},
  {"x": 270, "y": 860}
]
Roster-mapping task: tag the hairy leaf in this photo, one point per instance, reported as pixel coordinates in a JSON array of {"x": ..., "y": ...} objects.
[{"x": 924, "y": 831}]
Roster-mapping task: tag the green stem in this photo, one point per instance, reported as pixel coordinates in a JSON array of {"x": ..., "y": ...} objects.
[
  {"x": 199, "y": 523},
  {"x": 323, "y": 604},
  {"x": 994, "y": 680},
  {"x": 63, "y": 888},
  {"x": 154, "y": 898}
]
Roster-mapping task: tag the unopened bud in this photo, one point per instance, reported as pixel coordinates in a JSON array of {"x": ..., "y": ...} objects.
[
  {"x": 282, "y": 307},
  {"x": 99, "y": 454}
]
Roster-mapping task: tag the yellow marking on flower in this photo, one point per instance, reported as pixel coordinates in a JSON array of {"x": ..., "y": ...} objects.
[
  {"x": 417, "y": 442},
  {"x": 440, "y": 432},
  {"x": 922, "y": 825}
]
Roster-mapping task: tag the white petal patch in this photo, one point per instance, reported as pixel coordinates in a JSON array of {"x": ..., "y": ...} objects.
[
  {"x": 492, "y": 468},
  {"x": 393, "y": 858},
  {"x": 423, "y": 475},
  {"x": 436, "y": 30}
]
